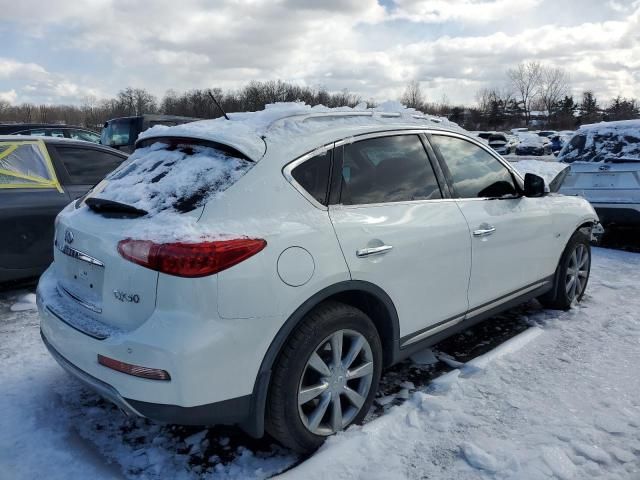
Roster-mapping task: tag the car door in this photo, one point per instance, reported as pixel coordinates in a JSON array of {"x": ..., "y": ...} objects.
[
  {"x": 31, "y": 197},
  {"x": 85, "y": 166},
  {"x": 398, "y": 231},
  {"x": 511, "y": 235}
]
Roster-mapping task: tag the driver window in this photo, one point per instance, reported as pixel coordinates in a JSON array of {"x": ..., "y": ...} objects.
[{"x": 474, "y": 172}]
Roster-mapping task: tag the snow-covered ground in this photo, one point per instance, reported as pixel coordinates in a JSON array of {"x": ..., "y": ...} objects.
[{"x": 561, "y": 400}]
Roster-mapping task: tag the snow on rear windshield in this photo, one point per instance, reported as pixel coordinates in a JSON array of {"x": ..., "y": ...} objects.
[{"x": 173, "y": 177}]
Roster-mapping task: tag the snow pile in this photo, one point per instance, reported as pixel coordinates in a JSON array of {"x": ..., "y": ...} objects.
[
  {"x": 285, "y": 121},
  {"x": 604, "y": 142},
  {"x": 25, "y": 302},
  {"x": 160, "y": 177},
  {"x": 565, "y": 406}
]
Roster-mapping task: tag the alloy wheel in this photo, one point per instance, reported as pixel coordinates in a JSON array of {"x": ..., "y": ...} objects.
[
  {"x": 577, "y": 272},
  {"x": 335, "y": 382}
]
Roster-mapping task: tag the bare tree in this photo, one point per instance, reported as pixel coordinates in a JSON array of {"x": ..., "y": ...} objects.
[
  {"x": 554, "y": 86},
  {"x": 412, "y": 96},
  {"x": 526, "y": 79}
]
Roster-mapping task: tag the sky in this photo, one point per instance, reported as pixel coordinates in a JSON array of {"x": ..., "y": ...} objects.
[{"x": 63, "y": 51}]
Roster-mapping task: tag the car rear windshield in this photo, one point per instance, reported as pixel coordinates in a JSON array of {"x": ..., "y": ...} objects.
[
  {"x": 605, "y": 146},
  {"x": 179, "y": 176}
]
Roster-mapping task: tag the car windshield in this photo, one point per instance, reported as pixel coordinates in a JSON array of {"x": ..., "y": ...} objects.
[
  {"x": 172, "y": 176},
  {"x": 118, "y": 132},
  {"x": 602, "y": 146}
]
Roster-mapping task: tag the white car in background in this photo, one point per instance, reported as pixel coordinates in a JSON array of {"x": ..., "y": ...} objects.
[
  {"x": 263, "y": 271},
  {"x": 605, "y": 169}
]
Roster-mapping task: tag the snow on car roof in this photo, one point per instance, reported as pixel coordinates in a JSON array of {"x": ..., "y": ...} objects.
[
  {"x": 298, "y": 126},
  {"x": 633, "y": 125}
]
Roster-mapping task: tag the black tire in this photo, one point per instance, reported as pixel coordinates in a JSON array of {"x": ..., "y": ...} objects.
[
  {"x": 284, "y": 420},
  {"x": 560, "y": 297}
]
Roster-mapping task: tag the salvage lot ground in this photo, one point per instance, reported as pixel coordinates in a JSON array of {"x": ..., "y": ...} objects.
[{"x": 562, "y": 400}]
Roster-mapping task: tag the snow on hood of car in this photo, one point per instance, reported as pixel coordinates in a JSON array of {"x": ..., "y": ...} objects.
[
  {"x": 603, "y": 142},
  {"x": 530, "y": 140},
  {"x": 286, "y": 122},
  {"x": 547, "y": 170},
  {"x": 158, "y": 178}
]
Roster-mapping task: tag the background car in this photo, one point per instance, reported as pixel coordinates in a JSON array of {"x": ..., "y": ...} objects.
[
  {"x": 38, "y": 177},
  {"x": 50, "y": 130},
  {"x": 605, "y": 169},
  {"x": 496, "y": 140},
  {"x": 122, "y": 133},
  {"x": 531, "y": 144}
]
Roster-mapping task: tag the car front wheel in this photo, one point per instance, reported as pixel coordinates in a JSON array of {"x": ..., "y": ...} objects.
[
  {"x": 572, "y": 274},
  {"x": 326, "y": 377}
]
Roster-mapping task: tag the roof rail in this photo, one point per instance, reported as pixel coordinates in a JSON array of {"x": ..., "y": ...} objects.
[{"x": 344, "y": 114}]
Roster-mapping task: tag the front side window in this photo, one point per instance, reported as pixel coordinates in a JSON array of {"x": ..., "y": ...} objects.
[
  {"x": 387, "y": 169},
  {"x": 313, "y": 176},
  {"x": 473, "y": 171},
  {"x": 86, "y": 166}
]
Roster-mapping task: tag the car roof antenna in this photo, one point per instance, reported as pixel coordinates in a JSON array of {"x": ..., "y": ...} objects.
[{"x": 218, "y": 105}]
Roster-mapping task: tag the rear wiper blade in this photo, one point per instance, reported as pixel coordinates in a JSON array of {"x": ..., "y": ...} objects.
[{"x": 102, "y": 205}]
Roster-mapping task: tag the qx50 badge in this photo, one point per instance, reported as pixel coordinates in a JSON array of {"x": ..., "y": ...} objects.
[{"x": 126, "y": 297}]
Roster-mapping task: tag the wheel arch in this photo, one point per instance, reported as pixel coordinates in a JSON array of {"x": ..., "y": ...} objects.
[{"x": 365, "y": 296}]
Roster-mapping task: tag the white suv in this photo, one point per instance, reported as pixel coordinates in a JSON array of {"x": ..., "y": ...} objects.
[{"x": 263, "y": 270}]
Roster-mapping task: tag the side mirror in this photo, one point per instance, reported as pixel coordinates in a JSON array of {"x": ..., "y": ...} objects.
[{"x": 533, "y": 185}]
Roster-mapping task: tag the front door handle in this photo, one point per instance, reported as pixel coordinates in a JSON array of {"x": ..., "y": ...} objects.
[
  {"x": 485, "y": 231},
  {"x": 367, "y": 252}
]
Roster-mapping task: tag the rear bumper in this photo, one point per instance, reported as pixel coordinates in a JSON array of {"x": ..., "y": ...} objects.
[
  {"x": 209, "y": 382},
  {"x": 228, "y": 412},
  {"x": 618, "y": 213}
]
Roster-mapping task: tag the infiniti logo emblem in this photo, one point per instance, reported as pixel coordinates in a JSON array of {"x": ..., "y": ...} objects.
[
  {"x": 604, "y": 167},
  {"x": 68, "y": 236}
]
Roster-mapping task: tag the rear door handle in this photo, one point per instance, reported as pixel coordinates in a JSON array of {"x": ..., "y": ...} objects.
[
  {"x": 485, "y": 231},
  {"x": 367, "y": 252}
]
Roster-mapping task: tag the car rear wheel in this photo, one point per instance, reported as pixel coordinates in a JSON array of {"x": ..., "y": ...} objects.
[
  {"x": 572, "y": 274},
  {"x": 325, "y": 378}
]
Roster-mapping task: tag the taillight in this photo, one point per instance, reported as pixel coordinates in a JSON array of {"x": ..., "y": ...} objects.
[{"x": 190, "y": 259}]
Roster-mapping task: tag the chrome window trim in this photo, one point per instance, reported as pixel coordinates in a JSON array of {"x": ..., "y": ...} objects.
[{"x": 287, "y": 169}]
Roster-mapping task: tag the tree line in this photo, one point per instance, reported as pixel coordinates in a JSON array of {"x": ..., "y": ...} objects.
[
  {"x": 92, "y": 113},
  {"x": 532, "y": 94}
]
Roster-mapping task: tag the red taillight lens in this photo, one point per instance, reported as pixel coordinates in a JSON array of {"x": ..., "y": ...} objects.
[
  {"x": 135, "y": 370},
  {"x": 190, "y": 259}
]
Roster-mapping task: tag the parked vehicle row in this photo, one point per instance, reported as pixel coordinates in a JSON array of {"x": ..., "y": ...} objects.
[{"x": 342, "y": 244}]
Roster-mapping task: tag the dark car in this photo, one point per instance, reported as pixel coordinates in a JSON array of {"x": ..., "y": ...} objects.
[
  {"x": 50, "y": 130},
  {"x": 38, "y": 178},
  {"x": 122, "y": 133},
  {"x": 531, "y": 144}
]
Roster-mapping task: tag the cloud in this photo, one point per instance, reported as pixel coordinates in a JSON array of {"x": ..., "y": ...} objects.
[
  {"x": 453, "y": 47},
  {"x": 9, "y": 96}
]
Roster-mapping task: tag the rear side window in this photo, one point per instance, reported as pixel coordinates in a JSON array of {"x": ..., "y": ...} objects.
[
  {"x": 473, "y": 171},
  {"x": 387, "y": 169},
  {"x": 313, "y": 176},
  {"x": 87, "y": 166}
]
